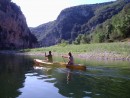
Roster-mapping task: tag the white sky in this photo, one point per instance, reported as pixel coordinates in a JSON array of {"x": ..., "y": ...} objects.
[{"x": 38, "y": 12}]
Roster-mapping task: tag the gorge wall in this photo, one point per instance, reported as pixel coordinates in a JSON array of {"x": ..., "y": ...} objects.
[{"x": 14, "y": 32}]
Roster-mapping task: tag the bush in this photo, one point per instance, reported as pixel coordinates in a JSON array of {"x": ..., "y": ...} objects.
[{"x": 64, "y": 43}]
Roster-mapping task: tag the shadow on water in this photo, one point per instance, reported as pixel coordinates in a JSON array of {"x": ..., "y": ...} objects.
[{"x": 12, "y": 74}]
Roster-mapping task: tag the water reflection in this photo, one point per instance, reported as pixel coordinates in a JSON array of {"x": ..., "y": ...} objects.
[
  {"x": 18, "y": 79},
  {"x": 12, "y": 70},
  {"x": 80, "y": 84}
]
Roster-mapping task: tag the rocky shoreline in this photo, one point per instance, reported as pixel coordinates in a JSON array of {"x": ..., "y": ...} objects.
[
  {"x": 87, "y": 56},
  {"x": 104, "y": 56}
]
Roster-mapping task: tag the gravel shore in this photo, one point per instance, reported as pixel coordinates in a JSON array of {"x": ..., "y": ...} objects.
[{"x": 93, "y": 55}]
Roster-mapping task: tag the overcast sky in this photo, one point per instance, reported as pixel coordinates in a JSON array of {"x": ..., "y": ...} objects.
[{"x": 38, "y": 12}]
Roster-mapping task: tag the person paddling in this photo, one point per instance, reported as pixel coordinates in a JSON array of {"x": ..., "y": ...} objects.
[
  {"x": 49, "y": 57},
  {"x": 71, "y": 59}
]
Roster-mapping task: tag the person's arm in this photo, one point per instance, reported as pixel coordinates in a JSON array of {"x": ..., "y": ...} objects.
[
  {"x": 64, "y": 56},
  {"x": 45, "y": 54}
]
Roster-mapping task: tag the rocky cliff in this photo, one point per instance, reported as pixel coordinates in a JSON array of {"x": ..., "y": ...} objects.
[
  {"x": 76, "y": 20},
  {"x": 14, "y": 32}
]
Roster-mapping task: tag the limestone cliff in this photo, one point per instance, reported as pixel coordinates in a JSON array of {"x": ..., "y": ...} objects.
[
  {"x": 14, "y": 32},
  {"x": 77, "y": 20}
]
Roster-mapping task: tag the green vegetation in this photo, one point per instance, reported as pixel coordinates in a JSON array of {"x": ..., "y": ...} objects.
[
  {"x": 115, "y": 29},
  {"x": 85, "y": 24},
  {"x": 63, "y": 43},
  {"x": 122, "y": 48}
]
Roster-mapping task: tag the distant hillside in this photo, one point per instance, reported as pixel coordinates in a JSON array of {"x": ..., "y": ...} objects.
[
  {"x": 14, "y": 32},
  {"x": 115, "y": 29},
  {"x": 76, "y": 20}
]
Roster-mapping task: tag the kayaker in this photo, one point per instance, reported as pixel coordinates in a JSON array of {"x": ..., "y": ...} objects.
[
  {"x": 49, "y": 57},
  {"x": 71, "y": 59}
]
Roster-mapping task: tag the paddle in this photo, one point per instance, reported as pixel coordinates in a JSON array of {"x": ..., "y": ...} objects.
[
  {"x": 65, "y": 62},
  {"x": 46, "y": 59},
  {"x": 63, "y": 59}
]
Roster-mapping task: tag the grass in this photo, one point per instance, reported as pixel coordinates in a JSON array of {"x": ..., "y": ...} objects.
[{"x": 122, "y": 48}]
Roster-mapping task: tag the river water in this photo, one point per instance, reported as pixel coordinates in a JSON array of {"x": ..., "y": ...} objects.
[{"x": 20, "y": 79}]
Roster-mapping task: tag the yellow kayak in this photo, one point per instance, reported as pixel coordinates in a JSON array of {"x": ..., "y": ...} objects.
[{"x": 39, "y": 62}]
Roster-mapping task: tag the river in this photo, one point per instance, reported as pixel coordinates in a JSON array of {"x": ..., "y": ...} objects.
[{"x": 102, "y": 79}]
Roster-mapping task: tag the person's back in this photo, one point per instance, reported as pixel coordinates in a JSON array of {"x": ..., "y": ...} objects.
[
  {"x": 49, "y": 57},
  {"x": 71, "y": 59}
]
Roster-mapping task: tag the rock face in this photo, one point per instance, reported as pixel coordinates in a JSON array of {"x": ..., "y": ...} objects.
[
  {"x": 14, "y": 32},
  {"x": 76, "y": 20}
]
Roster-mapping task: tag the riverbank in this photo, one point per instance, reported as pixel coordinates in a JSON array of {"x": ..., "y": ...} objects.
[
  {"x": 87, "y": 56},
  {"x": 98, "y": 51}
]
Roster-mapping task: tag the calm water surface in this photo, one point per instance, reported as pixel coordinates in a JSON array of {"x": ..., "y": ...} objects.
[{"x": 19, "y": 79}]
